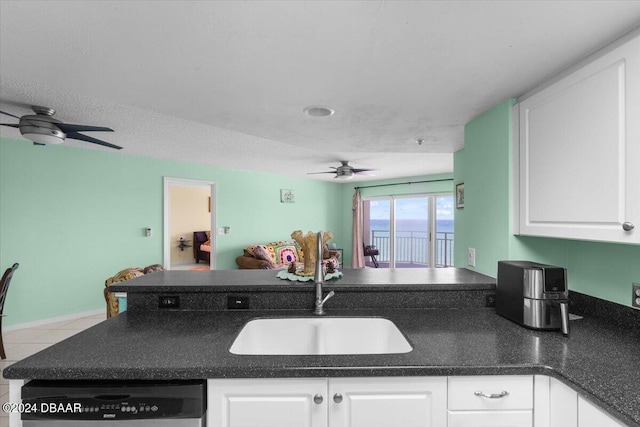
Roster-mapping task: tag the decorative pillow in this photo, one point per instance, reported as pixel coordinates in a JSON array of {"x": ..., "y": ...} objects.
[
  {"x": 127, "y": 274},
  {"x": 248, "y": 250},
  {"x": 153, "y": 267},
  {"x": 261, "y": 252},
  {"x": 208, "y": 234},
  {"x": 286, "y": 252}
]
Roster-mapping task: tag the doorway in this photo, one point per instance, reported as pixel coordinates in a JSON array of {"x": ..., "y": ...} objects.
[
  {"x": 414, "y": 231},
  {"x": 189, "y": 206}
]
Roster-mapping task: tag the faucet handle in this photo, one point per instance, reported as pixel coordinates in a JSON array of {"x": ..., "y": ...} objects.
[{"x": 329, "y": 295}]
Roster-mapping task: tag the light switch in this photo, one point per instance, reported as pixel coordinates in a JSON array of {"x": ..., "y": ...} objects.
[{"x": 471, "y": 257}]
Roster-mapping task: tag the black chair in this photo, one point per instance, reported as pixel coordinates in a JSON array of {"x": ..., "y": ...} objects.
[
  {"x": 372, "y": 251},
  {"x": 4, "y": 286}
]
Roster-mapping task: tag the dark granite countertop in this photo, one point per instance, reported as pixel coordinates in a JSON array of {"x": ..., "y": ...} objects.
[
  {"x": 380, "y": 280},
  {"x": 600, "y": 360}
]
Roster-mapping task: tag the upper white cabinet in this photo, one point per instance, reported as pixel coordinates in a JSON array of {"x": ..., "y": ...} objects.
[{"x": 579, "y": 152}]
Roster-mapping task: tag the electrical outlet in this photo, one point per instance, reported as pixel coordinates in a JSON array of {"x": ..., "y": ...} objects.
[
  {"x": 168, "y": 301},
  {"x": 471, "y": 257},
  {"x": 237, "y": 302},
  {"x": 490, "y": 300},
  {"x": 635, "y": 301}
]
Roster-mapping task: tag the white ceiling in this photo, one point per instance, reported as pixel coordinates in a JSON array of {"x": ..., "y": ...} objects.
[{"x": 224, "y": 82}]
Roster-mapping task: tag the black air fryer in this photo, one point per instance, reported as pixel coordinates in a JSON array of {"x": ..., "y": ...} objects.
[{"x": 533, "y": 295}]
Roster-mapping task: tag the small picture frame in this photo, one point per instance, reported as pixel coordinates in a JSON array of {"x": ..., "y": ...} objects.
[
  {"x": 460, "y": 196},
  {"x": 287, "y": 196}
]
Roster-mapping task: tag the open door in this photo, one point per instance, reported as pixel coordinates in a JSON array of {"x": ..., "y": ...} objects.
[{"x": 189, "y": 206}]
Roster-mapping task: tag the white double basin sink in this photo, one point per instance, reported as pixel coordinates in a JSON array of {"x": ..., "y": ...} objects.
[{"x": 320, "y": 335}]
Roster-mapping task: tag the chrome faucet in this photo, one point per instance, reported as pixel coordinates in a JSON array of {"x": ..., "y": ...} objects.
[{"x": 318, "y": 278}]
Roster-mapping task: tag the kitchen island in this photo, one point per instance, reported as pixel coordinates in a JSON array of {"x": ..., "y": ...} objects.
[{"x": 450, "y": 336}]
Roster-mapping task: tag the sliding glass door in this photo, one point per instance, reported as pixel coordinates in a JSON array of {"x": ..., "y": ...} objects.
[
  {"x": 409, "y": 231},
  {"x": 411, "y": 239}
]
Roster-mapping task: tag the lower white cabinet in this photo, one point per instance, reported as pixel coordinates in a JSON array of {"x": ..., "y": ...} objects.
[
  {"x": 490, "y": 419},
  {"x": 591, "y": 416},
  {"x": 568, "y": 409},
  {"x": 334, "y": 402},
  {"x": 459, "y": 401},
  {"x": 563, "y": 405},
  {"x": 385, "y": 402},
  {"x": 491, "y": 401},
  {"x": 267, "y": 403}
]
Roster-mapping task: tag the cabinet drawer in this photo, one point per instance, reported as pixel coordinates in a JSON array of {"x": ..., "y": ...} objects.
[
  {"x": 492, "y": 418},
  {"x": 505, "y": 392}
]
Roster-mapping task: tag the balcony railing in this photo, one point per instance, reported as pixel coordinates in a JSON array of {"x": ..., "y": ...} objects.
[{"x": 412, "y": 247}]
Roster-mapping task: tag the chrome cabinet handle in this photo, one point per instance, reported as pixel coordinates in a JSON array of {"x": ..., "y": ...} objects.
[
  {"x": 627, "y": 226},
  {"x": 318, "y": 399},
  {"x": 492, "y": 396},
  {"x": 337, "y": 398}
]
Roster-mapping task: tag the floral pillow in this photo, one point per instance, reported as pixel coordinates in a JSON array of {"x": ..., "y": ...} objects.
[{"x": 286, "y": 252}]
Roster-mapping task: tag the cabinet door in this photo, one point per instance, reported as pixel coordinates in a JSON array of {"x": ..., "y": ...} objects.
[
  {"x": 591, "y": 416},
  {"x": 490, "y": 418},
  {"x": 563, "y": 405},
  {"x": 579, "y": 152},
  {"x": 388, "y": 402},
  {"x": 267, "y": 403}
]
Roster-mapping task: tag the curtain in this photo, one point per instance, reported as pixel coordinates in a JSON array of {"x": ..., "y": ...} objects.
[{"x": 357, "y": 257}]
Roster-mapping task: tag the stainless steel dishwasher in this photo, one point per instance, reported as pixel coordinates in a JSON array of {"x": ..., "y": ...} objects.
[{"x": 114, "y": 403}]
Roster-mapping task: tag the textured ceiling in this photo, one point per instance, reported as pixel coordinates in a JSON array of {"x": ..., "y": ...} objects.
[{"x": 225, "y": 82}]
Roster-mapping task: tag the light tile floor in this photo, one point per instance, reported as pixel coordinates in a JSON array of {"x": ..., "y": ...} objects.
[{"x": 22, "y": 343}]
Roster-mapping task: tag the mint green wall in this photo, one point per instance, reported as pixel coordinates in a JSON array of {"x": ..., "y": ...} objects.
[
  {"x": 72, "y": 217},
  {"x": 483, "y": 166},
  {"x": 603, "y": 270},
  {"x": 395, "y": 190}
]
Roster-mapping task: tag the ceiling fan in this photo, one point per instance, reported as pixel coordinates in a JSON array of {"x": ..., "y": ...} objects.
[
  {"x": 43, "y": 129},
  {"x": 345, "y": 171}
]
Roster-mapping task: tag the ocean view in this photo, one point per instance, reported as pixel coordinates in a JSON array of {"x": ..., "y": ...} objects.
[{"x": 405, "y": 225}]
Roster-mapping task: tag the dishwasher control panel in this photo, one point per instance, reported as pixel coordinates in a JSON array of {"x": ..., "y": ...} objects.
[{"x": 113, "y": 400}]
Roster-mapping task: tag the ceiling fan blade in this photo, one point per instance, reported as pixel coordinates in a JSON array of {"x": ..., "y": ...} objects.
[
  {"x": 9, "y": 114},
  {"x": 10, "y": 125},
  {"x": 315, "y": 173},
  {"x": 361, "y": 170},
  {"x": 81, "y": 137},
  {"x": 66, "y": 128}
]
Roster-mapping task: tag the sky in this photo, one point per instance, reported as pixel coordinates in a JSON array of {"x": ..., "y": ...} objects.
[{"x": 413, "y": 208}]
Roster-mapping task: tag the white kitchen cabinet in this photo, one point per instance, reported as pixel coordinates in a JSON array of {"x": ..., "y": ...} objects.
[
  {"x": 592, "y": 416},
  {"x": 334, "y": 402},
  {"x": 491, "y": 401},
  {"x": 459, "y": 401},
  {"x": 579, "y": 151},
  {"x": 267, "y": 402},
  {"x": 490, "y": 419},
  {"x": 384, "y": 402},
  {"x": 563, "y": 405}
]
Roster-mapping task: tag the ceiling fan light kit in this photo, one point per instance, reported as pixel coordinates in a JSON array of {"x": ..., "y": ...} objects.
[
  {"x": 345, "y": 171},
  {"x": 43, "y": 129}
]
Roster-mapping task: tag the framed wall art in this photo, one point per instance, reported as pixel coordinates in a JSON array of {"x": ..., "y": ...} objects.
[
  {"x": 287, "y": 196},
  {"x": 460, "y": 196}
]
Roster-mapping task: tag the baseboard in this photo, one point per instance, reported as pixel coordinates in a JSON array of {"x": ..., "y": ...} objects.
[{"x": 51, "y": 320}]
